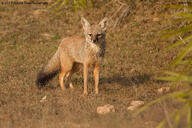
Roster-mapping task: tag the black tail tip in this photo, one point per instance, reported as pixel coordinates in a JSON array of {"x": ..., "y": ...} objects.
[
  {"x": 40, "y": 83},
  {"x": 43, "y": 78}
]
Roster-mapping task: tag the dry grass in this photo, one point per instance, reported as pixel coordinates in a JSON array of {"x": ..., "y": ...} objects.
[{"x": 29, "y": 36}]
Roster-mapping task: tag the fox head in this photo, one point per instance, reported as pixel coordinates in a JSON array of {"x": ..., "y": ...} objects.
[{"x": 94, "y": 33}]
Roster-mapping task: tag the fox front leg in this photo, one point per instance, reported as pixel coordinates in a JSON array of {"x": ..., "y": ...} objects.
[
  {"x": 85, "y": 75},
  {"x": 96, "y": 77}
]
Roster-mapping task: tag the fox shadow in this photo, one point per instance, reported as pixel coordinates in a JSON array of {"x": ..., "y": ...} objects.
[{"x": 126, "y": 81}]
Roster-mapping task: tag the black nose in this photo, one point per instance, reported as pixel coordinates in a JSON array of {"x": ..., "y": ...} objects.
[{"x": 95, "y": 40}]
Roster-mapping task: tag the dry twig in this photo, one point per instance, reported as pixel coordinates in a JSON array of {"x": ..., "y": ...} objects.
[
  {"x": 125, "y": 13},
  {"x": 182, "y": 39}
]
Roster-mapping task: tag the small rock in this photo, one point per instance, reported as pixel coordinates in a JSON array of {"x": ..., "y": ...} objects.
[
  {"x": 131, "y": 108},
  {"x": 43, "y": 99},
  {"x": 135, "y": 105},
  {"x": 105, "y": 109},
  {"x": 163, "y": 90}
]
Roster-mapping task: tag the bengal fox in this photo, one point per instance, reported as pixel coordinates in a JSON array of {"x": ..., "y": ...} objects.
[{"x": 74, "y": 52}]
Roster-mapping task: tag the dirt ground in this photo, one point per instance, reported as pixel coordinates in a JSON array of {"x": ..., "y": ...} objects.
[{"x": 29, "y": 36}]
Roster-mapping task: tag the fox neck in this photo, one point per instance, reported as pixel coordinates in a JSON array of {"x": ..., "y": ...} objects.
[{"x": 98, "y": 48}]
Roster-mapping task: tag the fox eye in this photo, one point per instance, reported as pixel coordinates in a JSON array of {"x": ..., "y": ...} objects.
[{"x": 90, "y": 34}]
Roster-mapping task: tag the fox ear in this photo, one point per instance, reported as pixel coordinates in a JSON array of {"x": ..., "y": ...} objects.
[
  {"x": 85, "y": 23},
  {"x": 103, "y": 23}
]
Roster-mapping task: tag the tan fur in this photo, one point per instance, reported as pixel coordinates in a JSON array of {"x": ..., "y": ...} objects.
[{"x": 76, "y": 51}]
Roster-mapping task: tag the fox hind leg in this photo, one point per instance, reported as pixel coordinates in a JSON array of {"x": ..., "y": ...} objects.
[
  {"x": 65, "y": 70},
  {"x": 62, "y": 75},
  {"x": 75, "y": 68},
  {"x": 68, "y": 79}
]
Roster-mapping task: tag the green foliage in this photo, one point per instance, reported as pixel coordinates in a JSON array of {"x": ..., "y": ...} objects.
[
  {"x": 184, "y": 60},
  {"x": 75, "y": 4}
]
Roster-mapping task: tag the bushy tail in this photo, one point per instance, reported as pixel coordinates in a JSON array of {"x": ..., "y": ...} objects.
[{"x": 49, "y": 70}]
